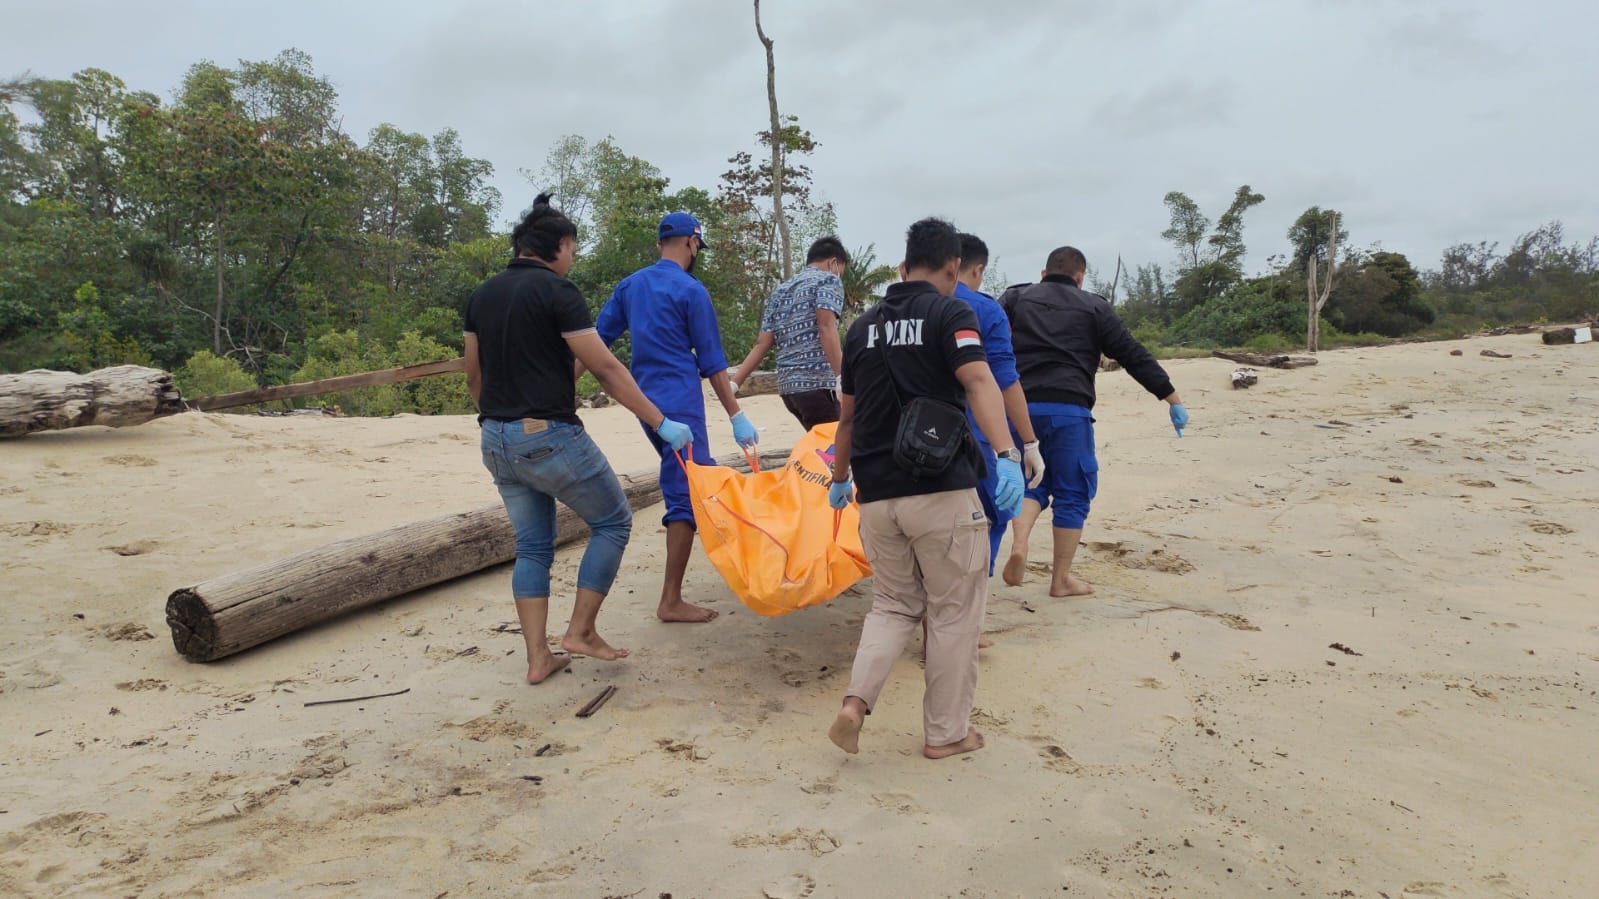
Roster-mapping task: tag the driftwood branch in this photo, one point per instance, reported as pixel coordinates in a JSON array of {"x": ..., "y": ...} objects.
[
  {"x": 228, "y": 614},
  {"x": 1264, "y": 360},
  {"x": 42, "y": 400}
]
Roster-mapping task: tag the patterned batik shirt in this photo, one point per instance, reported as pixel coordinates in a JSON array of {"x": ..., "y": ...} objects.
[{"x": 790, "y": 318}]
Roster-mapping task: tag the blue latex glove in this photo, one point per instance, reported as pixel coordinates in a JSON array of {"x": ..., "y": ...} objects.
[
  {"x": 1179, "y": 418},
  {"x": 675, "y": 433},
  {"x": 744, "y": 432},
  {"x": 839, "y": 495},
  {"x": 1008, "y": 492}
]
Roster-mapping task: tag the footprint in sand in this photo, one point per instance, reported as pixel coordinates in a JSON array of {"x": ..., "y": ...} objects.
[
  {"x": 794, "y": 886},
  {"x": 34, "y": 529},
  {"x": 1426, "y": 888},
  {"x": 1055, "y": 757},
  {"x": 137, "y": 548},
  {"x": 1551, "y": 528},
  {"x": 824, "y": 786},
  {"x": 818, "y": 842},
  {"x": 131, "y": 461},
  {"x": 128, "y": 631},
  {"x": 146, "y": 683},
  {"x": 903, "y": 803},
  {"x": 686, "y": 751}
]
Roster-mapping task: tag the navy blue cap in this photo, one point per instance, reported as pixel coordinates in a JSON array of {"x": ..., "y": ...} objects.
[{"x": 680, "y": 224}]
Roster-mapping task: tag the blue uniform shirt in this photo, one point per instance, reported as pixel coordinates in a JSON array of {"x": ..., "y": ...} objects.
[
  {"x": 994, "y": 326},
  {"x": 675, "y": 338}
]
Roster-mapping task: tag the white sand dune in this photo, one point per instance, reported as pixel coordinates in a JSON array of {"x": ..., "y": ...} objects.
[{"x": 1188, "y": 731}]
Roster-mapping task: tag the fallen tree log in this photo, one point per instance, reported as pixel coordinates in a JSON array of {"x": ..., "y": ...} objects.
[
  {"x": 43, "y": 400},
  {"x": 228, "y": 614},
  {"x": 328, "y": 385},
  {"x": 1581, "y": 334},
  {"x": 759, "y": 383},
  {"x": 1266, "y": 361}
]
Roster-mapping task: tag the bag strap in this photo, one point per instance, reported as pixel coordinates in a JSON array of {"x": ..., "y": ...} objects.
[{"x": 893, "y": 382}]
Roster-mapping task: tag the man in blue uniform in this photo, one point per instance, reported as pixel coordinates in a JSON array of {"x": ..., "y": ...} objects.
[
  {"x": 995, "y": 328},
  {"x": 675, "y": 343}
]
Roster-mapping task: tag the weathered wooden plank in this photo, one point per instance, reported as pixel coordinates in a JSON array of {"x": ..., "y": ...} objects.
[{"x": 328, "y": 385}]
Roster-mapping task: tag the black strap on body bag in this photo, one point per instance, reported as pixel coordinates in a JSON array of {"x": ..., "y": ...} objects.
[{"x": 931, "y": 432}]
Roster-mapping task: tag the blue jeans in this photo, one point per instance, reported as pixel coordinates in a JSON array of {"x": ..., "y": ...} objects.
[
  {"x": 532, "y": 471},
  {"x": 1071, "y": 470}
]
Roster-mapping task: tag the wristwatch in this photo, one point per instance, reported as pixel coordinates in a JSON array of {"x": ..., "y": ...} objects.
[{"x": 1013, "y": 454}]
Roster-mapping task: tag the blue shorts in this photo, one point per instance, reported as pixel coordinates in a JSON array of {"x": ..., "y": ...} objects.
[
  {"x": 1071, "y": 472},
  {"x": 674, "y": 483}
]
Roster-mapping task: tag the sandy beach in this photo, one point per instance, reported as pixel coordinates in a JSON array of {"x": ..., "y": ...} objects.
[{"x": 1345, "y": 644}]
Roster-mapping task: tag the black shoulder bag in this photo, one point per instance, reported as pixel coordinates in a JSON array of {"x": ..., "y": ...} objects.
[{"x": 931, "y": 432}]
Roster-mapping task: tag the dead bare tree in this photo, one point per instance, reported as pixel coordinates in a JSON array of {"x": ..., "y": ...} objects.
[
  {"x": 1317, "y": 303},
  {"x": 777, "y": 147}
]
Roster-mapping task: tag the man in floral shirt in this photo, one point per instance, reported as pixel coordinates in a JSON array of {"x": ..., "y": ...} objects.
[{"x": 801, "y": 320}]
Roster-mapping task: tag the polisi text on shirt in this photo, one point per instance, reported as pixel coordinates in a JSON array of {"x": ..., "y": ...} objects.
[{"x": 906, "y": 332}]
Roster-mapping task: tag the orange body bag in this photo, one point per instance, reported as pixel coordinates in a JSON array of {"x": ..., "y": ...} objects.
[{"x": 772, "y": 535}]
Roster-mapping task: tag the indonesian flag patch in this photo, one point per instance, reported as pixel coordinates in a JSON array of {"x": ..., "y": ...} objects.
[{"x": 967, "y": 338}]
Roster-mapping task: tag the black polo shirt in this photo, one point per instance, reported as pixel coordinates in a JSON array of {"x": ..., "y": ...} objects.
[
  {"x": 925, "y": 336},
  {"x": 522, "y": 317}
]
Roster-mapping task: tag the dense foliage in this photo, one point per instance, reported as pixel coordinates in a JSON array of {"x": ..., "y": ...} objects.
[{"x": 237, "y": 236}]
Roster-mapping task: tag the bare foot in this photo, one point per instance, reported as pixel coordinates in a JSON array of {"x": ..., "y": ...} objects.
[
  {"x": 1074, "y": 587},
  {"x": 972, "y": 743},
  {"x": 682, "y": 611},
  {"x": 846, "y": 730},
  {"x": 538, "y": 671},
  {"x": 983, "y": 642},
  {"x": 1015, "y": 570},
  {"x": 593, "y": 646}
]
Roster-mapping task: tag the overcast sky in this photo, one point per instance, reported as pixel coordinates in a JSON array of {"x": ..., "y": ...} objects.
[{"x": 1031, "y": 123}]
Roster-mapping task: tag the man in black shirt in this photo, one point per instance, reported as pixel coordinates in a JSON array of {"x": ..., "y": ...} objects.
[
  {"x": 926, "y": 536},
  {"x": 1059, "y": 331},
  {"x": 524, "y": 327}
]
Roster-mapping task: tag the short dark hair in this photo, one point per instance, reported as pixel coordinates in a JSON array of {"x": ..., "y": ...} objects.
[
  {"x": 931, "y": 243},
  {"x": 826, "y": 248},
  {"x": 1066, "y": 261},
  {"x": 541, "y": 230},
  {"x": 973, "y": 251}
]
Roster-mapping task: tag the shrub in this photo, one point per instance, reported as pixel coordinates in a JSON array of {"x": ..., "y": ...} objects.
[{"x": 206, "y": 374}]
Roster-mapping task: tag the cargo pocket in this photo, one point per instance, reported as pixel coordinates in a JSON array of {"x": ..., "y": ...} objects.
[
  {"x": 968, "y": 540},
  {"x": 1091, "y": 476}
]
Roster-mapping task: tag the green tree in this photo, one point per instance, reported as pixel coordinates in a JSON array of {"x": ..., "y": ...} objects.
[
  {"x": 1309, "y": 235},
  {"x": 1208, "y": 266},
  {"x": 863, "y": 277}
]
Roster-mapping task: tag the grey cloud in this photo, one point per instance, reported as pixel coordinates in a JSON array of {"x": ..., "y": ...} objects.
[{"x": 1034, "y": 123}]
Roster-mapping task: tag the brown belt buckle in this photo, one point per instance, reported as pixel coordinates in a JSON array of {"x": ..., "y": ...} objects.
[{"x": 534, "y": 425}]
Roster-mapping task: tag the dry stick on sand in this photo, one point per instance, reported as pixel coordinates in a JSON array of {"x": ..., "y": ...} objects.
[
  {"x": 595, "y": 703},
  {"x": 358, "y": 698}
]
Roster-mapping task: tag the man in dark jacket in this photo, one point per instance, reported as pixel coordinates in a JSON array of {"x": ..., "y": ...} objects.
[{"x": 1059, "y": 332}]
